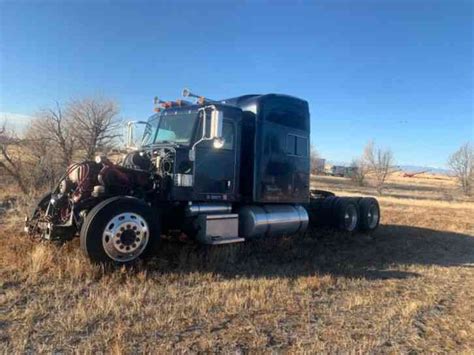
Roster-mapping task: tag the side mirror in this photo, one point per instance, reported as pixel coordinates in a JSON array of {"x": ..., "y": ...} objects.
[
  {"x": 217, "y": 121},
  {"x": 130, "y": 143},
  {"x": 130, "y": 133},
  {"x": 215, "y": 129}
]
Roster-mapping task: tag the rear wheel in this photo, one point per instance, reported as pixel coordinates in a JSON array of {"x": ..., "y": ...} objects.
[
  {"x": 327, "y": 215},
  {"x": 369, "y": 214},
  {"x": 120, "y": 230},
  {"x": 346, "y": 213}
]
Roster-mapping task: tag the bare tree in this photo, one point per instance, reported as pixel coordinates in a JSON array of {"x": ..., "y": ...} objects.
[
  {"x": 54, "y": 138},
  {"x": 316, "y": 163},
  {"x": 11, "y": 157},
  {"x": 47, "y": 160},
  {"x": 53, "y": 129},
  {"x": 95, "y": 124},
  {"x": 359, "y": 171},
  {"x": 30, "y": 161},
  {"x": 380, "y": 163},
  {"x": 462, "y": 164}
]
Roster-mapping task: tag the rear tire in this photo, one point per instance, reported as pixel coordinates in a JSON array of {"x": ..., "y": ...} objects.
[
  {"x": 369, "y": 214},
  {"x": 120, "y": 230},
  {"x": 346, "y": 215},
  {"x": 328, "y": 215}
]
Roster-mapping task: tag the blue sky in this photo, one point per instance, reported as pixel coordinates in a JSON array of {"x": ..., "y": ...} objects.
[{"x": 399, "y": 72}]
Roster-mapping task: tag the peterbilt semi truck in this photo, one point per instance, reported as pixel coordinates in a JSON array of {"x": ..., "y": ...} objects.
[{"x": 213, "y": 171}]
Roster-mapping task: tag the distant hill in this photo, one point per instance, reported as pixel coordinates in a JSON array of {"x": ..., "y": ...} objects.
[
  {"x": 416, "y": 168},
  {"x": 404, "y": 168}
]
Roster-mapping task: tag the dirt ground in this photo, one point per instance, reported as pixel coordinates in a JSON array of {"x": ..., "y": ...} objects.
[{"x": 408, "y": 287}]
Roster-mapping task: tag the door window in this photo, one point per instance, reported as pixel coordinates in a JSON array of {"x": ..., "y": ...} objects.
[{"x": 228, "y": 133}]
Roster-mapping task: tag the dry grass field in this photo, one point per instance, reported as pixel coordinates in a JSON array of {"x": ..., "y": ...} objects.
[{"x": 409, "y": 287}]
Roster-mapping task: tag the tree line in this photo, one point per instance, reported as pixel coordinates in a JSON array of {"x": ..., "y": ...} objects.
[{"x": 379, "y": 163}]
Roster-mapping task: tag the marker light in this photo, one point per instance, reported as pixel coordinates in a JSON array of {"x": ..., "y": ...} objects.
[{"x": 167, "y": 104}]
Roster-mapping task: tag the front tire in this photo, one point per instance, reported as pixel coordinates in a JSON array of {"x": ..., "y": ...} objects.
[
  {"x": 35, "y": 213},
  {"x": 120, "y": 230}
]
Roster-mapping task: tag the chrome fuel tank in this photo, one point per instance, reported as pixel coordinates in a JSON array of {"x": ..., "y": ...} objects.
[{"x": 272, "y": 220}]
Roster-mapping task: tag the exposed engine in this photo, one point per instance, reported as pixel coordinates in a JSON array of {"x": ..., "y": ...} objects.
[
  {"x": 79, "y": 180},
  {"x": 83, "y": 186},
  {"x": 164, "y": 161},
  {"x": 93, "y": 179},
  {"x": 137, "y": 161}
]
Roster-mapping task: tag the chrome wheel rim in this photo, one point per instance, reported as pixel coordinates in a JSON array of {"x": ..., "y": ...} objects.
[
  {"x": 125, "y": 237},
  {"x": 373, "y": 216},
  {"x": 350, "y": 218}
]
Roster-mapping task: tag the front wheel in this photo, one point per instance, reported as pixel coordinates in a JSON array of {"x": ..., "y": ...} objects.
[
  {"x": 36, "y": 213},
  {"x": 120, "y": 230}
]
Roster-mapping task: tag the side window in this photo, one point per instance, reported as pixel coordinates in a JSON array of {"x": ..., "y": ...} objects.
[
  {"x": 296, "y": 145},
  {"x": 301, "y": 146},
  {"x": 228, "y": 133},
  {"x": 291, "y": 144}
]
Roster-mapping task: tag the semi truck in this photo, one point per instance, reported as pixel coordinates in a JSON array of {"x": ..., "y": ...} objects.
[{"x": 211, "y": 171}]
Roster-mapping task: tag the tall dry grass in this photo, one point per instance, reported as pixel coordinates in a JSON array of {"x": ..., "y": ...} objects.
[{"x": 406, "y": 288}]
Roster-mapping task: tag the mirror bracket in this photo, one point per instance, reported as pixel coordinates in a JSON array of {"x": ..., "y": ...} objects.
[{"x": 130, "y": 134}]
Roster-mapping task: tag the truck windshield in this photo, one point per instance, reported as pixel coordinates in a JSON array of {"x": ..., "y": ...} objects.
[
  {"x": 150, "y": 129},
  {"x": 175, "y": 127},
  {"x": 169, "y": 127}
]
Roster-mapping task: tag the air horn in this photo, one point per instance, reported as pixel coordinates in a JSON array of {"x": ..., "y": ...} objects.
[
  {"x": 157, "y": 102},
  {"x": 201, "y": 99}
]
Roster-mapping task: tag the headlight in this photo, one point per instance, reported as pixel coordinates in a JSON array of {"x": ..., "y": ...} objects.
[{"x": 99, "y": 159}]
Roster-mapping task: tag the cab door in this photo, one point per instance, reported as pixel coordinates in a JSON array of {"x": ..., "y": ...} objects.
[{"x": 215, "y": 169}]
